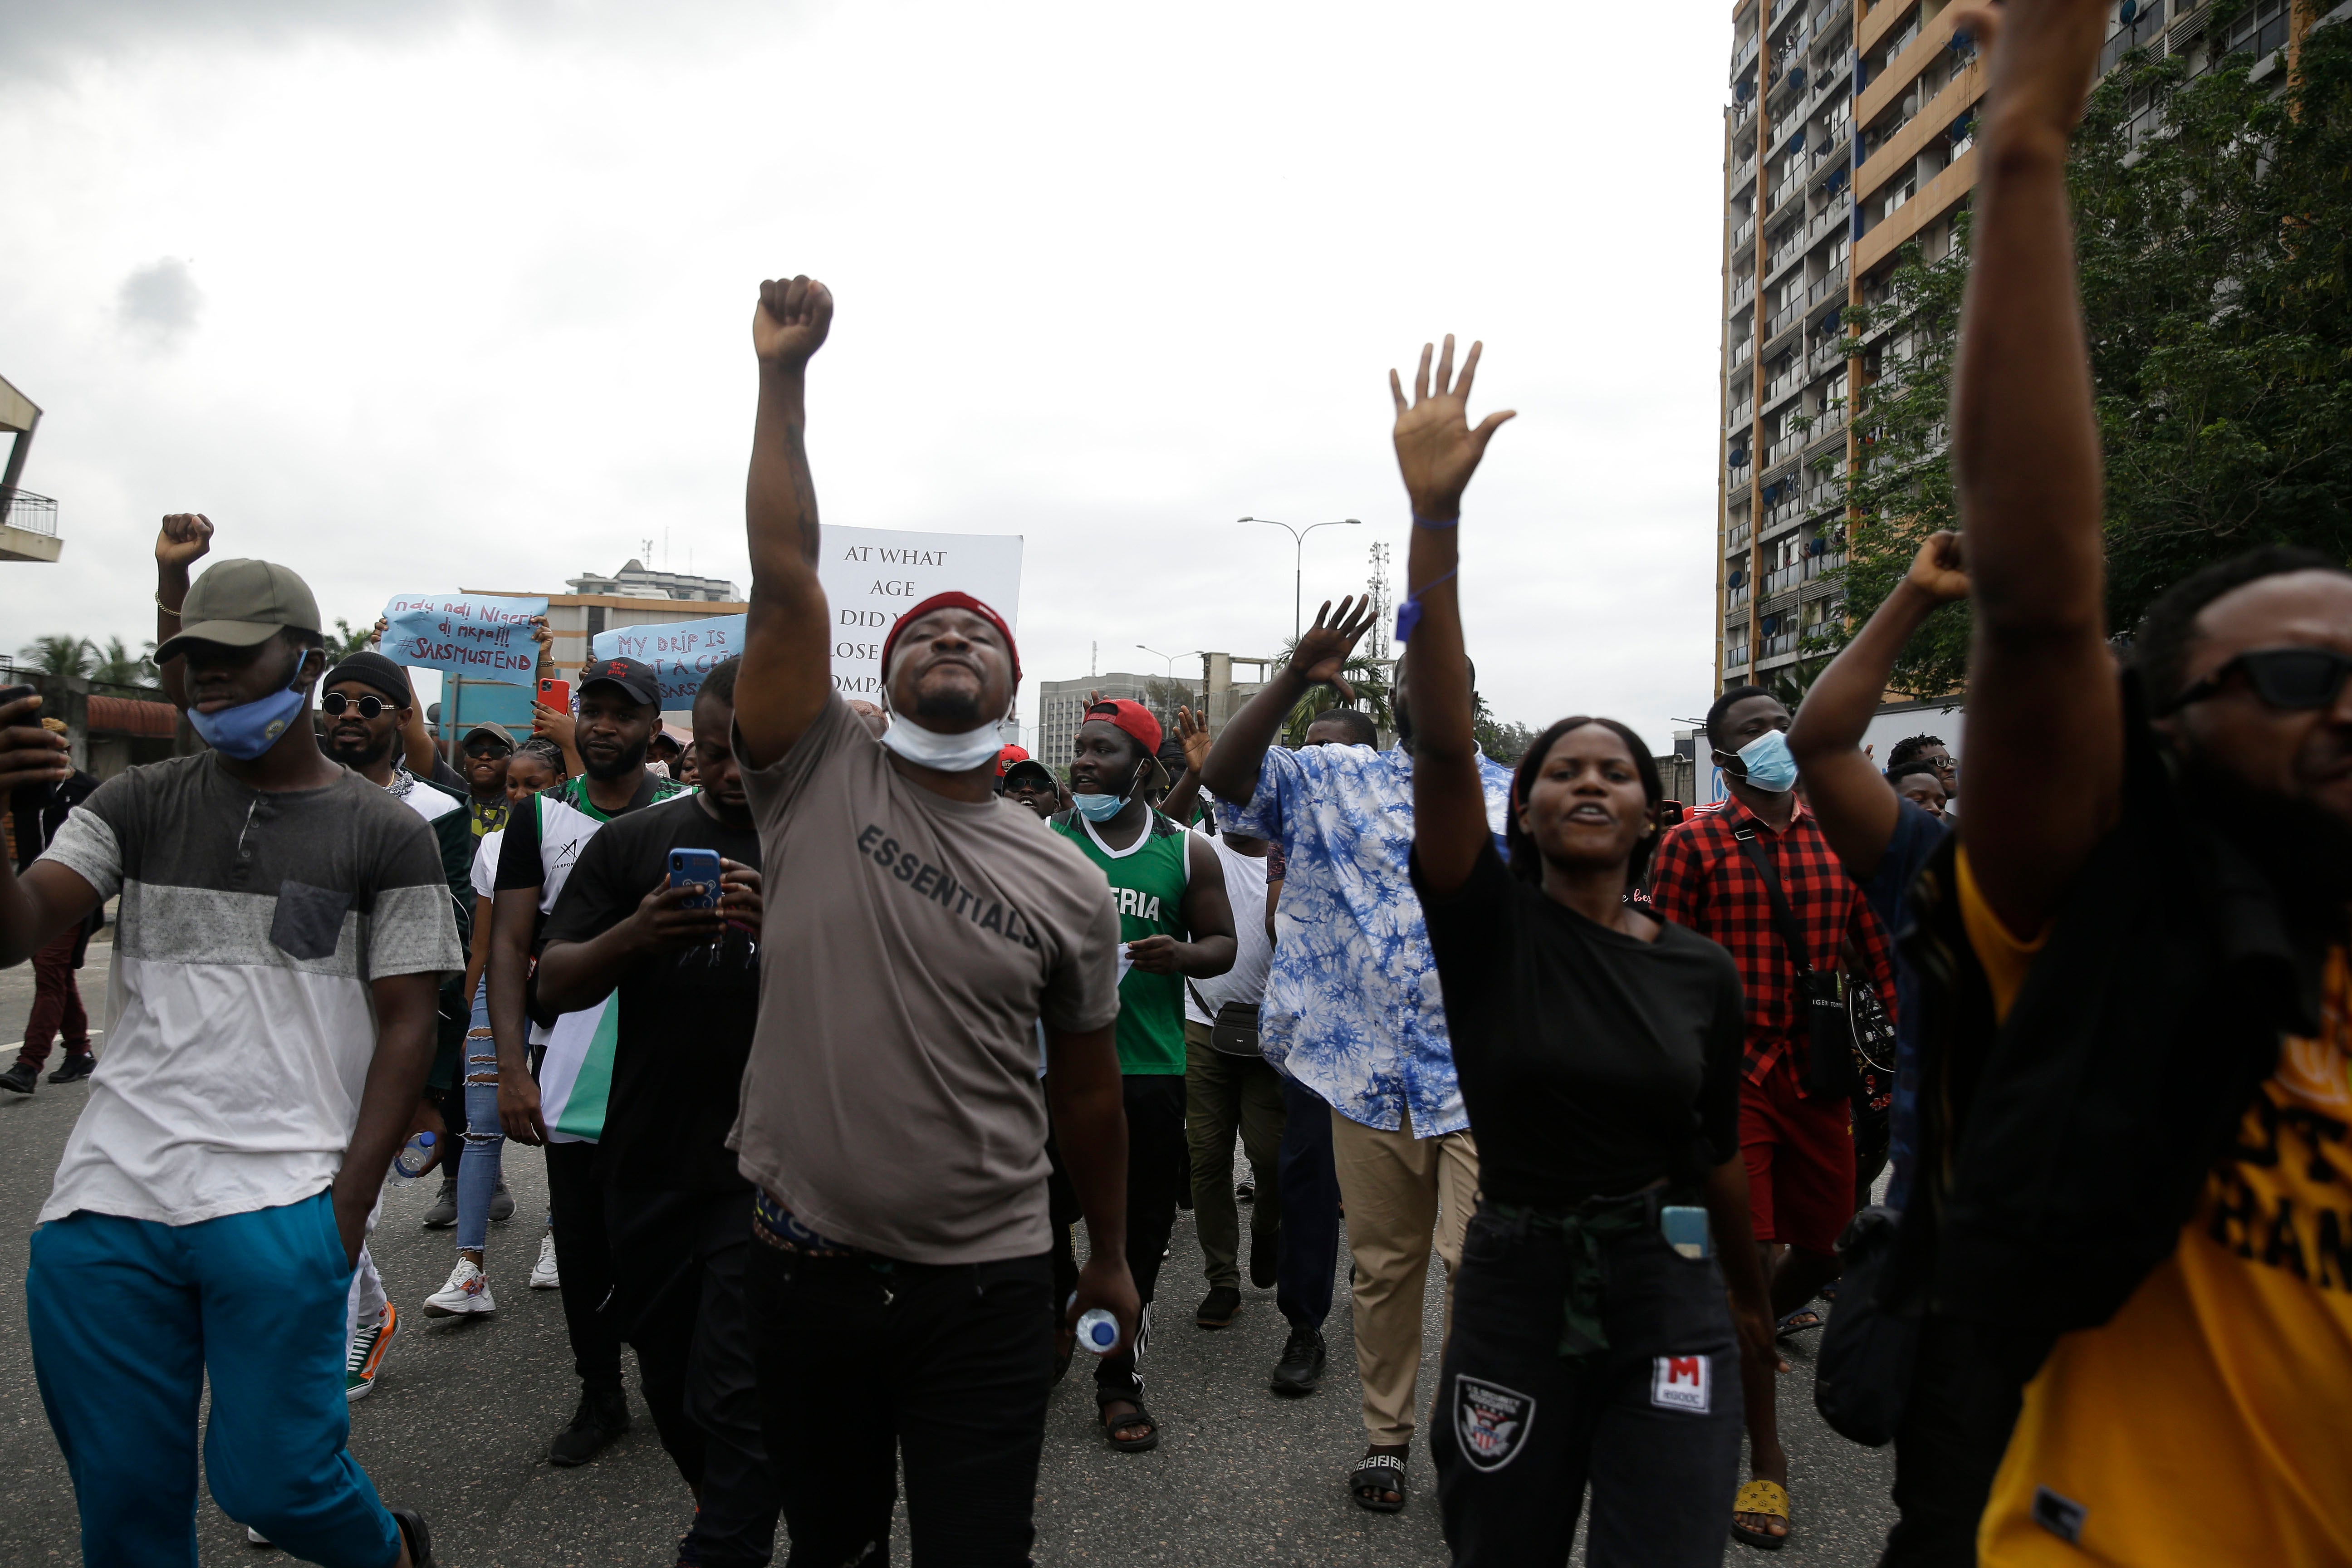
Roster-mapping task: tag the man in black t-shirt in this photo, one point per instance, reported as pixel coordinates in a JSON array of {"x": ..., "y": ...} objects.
[{"x": 677, "y": 1212}]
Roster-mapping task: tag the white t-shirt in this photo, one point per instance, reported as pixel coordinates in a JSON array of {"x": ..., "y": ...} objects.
[{"x": 1253, "y": 953}]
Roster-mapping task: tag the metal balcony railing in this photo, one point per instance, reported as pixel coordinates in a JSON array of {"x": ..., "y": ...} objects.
[
  {"x": 1736, "y": 535},
  {"x": 1743, "y": 293},
  {"x": 1830, "y": 217},
  {"x": 1828, "y": 422},
  {"x": 1780, "y": 643},
  {"x": 1741, "y": 418},
  {"x": 1784, "y": 318},
  {"x": 33, "y": 513},
  {"x": 1734, "y": 656},
  {"x": 1742, "y": 352},
  {"x": 1784, "y": 446},
  {"x": 1735, "y": 595},
  {"x": 1743, "y": 173},
  {"x": 1783, "y": 579},
  {"x": 1787, "y": 379},
  {"x": 1827, "y": 494},
  {"x": 1832, "y": 283},
  {"x": 1744, "y": 233}
]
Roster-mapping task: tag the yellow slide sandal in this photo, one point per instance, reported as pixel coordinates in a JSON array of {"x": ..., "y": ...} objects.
[{"x": 1770, "y": 1498}]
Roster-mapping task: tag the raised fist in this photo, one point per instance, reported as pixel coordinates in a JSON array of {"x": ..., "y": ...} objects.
[
  {"x": 185, "y": 538},
  {"x": 790, "y": 321}
]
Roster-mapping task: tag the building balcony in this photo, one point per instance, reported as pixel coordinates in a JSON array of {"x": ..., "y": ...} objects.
[
  {"x": 1827, "y": 355},
  {"x": 1745, "y": 52},
  {"x": 1743, "y": 293},
  {"x": 1784, "y": 579},
  {"x": 1741, "y": 353},
  {"x": 1827, "y": 495},
  {"x": 1831, "y": 422},
  {"x": 1735, "y": 596},
  {"x": 1741, "y": 418},
  {"x": 1743, "y": 175},
  {"x": 1736, "y": 535},
  {"x": 1780, "y": 643},
  {"x": 1781, "y": 320},
  {"x": 1791, "y": 185},
  {"x": 1786, "y": 445},
  {"x": 1786, "y": 382},
  {"x": 1743, "y": 234},
  {"x": 1833, "y": 285},
  {"x": 1831, "y": 216},
  {"x": 1734, "y": 656},
  {"x": 28, "y": 526}
]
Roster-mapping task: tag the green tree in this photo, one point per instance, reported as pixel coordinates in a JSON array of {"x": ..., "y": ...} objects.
[
  {"x": 346, "y": 642},
  {"x": 59, "y": 653},
  {"x": 1503, "y": 741},
  {"x": 120, "y": 666},
  {"x": 2213, "y": 215}
]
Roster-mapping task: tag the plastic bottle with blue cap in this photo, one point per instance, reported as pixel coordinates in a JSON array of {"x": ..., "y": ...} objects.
[{"x": 1098, "y": 1329}]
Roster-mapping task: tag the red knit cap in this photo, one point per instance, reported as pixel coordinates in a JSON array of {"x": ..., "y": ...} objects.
[
  {"x": 950, "y": 601},
  {"x": 1132, "y": 716}
]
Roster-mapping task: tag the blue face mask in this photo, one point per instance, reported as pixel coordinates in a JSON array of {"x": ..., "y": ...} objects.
[
  {"x": 1099, "y": 807},
  {"x": 249, "y": 728},
  {"x": 1770, "y": 766}
]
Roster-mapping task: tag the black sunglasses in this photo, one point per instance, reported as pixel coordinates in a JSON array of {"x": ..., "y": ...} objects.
[
  {"x": 2286, "y": 678},
  {"x": 334, "y": 703}
]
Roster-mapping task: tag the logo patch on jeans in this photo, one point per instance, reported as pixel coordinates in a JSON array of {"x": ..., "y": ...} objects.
[
  {"x": 1491, "y": 1420},
  {"x": 1682, "y": 1383}
]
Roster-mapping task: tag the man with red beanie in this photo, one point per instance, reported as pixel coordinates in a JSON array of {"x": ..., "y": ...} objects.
[{"x": 890, "y": 1116}]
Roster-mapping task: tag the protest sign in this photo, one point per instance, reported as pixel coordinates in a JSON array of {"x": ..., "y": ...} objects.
[
  {"x": 472, "y": 635},
  {"x": 681, "y": 652},
  {"x": 870, "y": 575}
]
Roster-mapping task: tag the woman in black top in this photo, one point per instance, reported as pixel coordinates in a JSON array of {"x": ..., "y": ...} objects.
[{"x": 1599, "y": 1053}]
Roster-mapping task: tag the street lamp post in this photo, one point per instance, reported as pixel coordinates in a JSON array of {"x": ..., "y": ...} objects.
[
  {"x": 1171, "y": 659},
  {"x": 1298, "y": 557}
]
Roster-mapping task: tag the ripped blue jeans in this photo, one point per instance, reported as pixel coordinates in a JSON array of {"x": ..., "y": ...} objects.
[{"x": 479, "y": 1172}]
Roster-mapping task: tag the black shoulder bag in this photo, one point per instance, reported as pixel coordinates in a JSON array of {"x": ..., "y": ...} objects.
[
  {"x": 1232, "y": 1029},
  {"x": 1829, "y": 1036}
]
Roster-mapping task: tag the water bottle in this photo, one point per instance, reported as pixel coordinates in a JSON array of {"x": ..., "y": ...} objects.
[
  {"x": 409, "y": 1164},
  {"x": 1098, "y": 1329}
]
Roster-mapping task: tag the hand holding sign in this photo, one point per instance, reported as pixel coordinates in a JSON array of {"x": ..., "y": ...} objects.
[{"x": 472, "y": 635}]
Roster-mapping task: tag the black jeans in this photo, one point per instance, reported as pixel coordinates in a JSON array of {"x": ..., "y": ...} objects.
[
  {"x": 1156, "y": 1172},
  {"x": 1309, "y": 1258},
  {"x": 679, "y": 1259},
  {"x": 864, "y": 1362},
  {"x": 1955, "y": 1427},
  {"x": 584, "y": 1255},
  {"x": 1653, "y": 1422}
]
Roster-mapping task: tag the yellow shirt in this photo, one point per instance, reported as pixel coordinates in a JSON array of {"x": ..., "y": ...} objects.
[{"x": 2210, "y": 1421}]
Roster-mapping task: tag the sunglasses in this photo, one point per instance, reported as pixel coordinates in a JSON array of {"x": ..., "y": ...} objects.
[
  {"x": 2291, "y": 679},
  {"x": 334, "y": 704}
]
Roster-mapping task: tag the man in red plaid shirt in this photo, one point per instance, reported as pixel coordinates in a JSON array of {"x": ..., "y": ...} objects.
[{"x": 1798, "y": 1146}]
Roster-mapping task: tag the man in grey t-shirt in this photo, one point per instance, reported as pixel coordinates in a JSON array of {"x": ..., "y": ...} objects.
[{"x": 892, "y": 1113}]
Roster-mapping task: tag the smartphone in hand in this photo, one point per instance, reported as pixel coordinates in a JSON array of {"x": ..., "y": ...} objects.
[
  {"x": 555, "y": 694},
  {"x": 695, "y": 869}
]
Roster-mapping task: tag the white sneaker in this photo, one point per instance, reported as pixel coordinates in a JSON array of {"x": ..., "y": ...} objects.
[
  {"x": 543, "y": 1276},
  {"x": 468, "y": 1291}
]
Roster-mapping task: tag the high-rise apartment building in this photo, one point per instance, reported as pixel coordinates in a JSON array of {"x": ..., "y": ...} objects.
[{"x": 1852, "y": 133}]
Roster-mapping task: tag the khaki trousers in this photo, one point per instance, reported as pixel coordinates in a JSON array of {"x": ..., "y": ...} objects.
[
  {"x": 1224, "y": 1095},
  {"x": 1402, "y": 1194}
]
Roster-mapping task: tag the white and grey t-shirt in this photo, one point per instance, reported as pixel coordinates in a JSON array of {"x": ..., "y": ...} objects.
[{"x": 250, "y": 926}]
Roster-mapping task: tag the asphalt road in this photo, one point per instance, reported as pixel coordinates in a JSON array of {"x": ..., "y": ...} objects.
[{"x": 459, "y": 1423}]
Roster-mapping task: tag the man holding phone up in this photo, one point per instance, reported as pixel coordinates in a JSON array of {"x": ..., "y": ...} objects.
[{"x": 636, "y": 911}]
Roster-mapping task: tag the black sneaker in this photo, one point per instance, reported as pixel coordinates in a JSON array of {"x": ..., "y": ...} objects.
[
  {"x": 1265, "y": 1247},
  {"x": 1218, "y": 1308},
  {"x": 602, "y": 1416},
  {"x": 75, "y": 1067},
  {"x": 20, "y": 1078},
  {"x": 415, "y": 1536},
  {"x": 1301, "y": 1367}
]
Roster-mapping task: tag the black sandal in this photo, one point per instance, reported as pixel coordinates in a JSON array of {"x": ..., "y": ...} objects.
[
  {"x": 1139, "y": 1417},
  {"x": 1376, "y": 1475}
]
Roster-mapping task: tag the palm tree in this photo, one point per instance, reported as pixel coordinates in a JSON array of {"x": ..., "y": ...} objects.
[
  {"x": 120, "y": 666},
  {"x": 58, "y": 654}
]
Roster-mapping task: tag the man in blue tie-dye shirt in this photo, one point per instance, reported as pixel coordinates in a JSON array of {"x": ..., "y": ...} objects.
[{"x": 1352, "y": 1010}]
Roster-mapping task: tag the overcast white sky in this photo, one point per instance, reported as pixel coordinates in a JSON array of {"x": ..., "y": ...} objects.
[{"x": 416, "y": 295}]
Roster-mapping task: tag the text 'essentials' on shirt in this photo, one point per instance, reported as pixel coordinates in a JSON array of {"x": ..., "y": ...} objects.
[
  {"x": 250, "y": 927},
  {"x": 1352, "y": 1007},
  {"x": 911, "y": 944},
  {"x": 683, "y": 1029},
  {"x": 2205, "y": 1422},
  {"x": 1593, "y": 1062}
]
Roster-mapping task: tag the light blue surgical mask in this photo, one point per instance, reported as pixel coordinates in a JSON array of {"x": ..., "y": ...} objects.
[
  {"x": 249, "y": 728},
  {"x": 1099, "y": 807},
  {"x": 1770, "y": 766}
]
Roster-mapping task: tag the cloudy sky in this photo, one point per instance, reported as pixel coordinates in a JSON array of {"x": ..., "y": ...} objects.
[{"x": 426, "y": 294}]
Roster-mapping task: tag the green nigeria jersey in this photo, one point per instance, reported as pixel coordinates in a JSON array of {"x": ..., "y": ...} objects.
[{"x": 1146, "y": 883}]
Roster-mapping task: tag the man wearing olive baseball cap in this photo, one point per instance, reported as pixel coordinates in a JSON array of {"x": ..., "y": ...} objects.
[{"x": 284, "y": 925}]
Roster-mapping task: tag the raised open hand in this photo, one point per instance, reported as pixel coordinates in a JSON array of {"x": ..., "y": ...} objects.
[
  {"x": 1322, "y": 651},
  {"x": 1940, "y": 570},
  {"x": 185, "y": 537},
  {"x": 1437, "y": 450},
  {"x": 1192, "y": 734},
  {"x": 790, "y": 321}
]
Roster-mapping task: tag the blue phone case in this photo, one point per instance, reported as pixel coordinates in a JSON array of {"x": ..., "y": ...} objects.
[
  {"x": 1686, "y": 1230},
  {"x": 699, "y": 868}
]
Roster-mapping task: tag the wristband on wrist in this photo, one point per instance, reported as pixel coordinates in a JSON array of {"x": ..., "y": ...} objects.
[
  {"x": 1421, "y": 521},
  {"x": 1409, "y": 613}
]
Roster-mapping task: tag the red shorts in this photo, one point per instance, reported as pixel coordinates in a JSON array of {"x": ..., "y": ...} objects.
[{"x": 1800, "y": 1159}]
